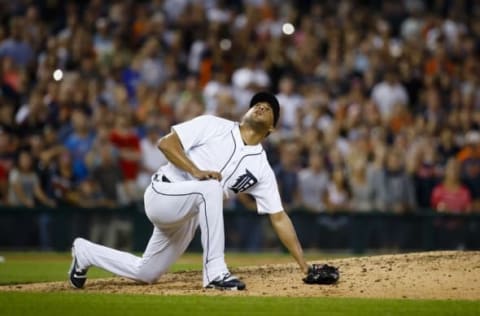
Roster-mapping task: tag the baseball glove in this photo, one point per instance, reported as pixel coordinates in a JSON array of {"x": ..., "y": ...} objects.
[{"x": 322, "y": 274}]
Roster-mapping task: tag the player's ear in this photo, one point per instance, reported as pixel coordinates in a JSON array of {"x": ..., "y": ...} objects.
[{"x": 270, "y": 130}]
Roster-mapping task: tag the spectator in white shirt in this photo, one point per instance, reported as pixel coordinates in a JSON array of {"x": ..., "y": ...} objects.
[
  {"x": 388, "y": 93},
  {"x": 247, "y": 79},
  {"x": 290, "y": 103},
  {"x": 214, "y": 89}
]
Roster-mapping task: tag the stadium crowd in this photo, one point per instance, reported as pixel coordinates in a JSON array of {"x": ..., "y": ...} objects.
[{"x": 380, "y": 99}]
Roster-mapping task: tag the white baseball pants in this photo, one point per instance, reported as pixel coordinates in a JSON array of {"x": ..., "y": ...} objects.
[{"x": 175, "y": 209}]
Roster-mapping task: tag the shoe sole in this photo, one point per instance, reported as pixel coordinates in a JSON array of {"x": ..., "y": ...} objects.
[{"x": 223, "y": 288}]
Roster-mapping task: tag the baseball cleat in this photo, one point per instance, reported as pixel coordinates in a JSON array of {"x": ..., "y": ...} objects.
[
  {"x": 227, "y": 282},
  {"x": 78, "y": 276}
]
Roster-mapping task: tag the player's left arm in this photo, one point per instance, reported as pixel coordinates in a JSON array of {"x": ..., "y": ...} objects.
[{"x": 286, "y": 232}]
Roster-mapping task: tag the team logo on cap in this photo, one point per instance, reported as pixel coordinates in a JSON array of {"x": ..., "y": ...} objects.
[{"x": 244, "y": 182}]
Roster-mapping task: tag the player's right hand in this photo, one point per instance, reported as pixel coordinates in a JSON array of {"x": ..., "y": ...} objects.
[{"x": 207, "y": 175}]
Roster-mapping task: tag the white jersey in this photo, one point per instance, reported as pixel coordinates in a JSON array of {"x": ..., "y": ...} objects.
[{"x": 213, "y": 143}]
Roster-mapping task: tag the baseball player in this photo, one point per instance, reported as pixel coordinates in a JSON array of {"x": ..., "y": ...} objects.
[{"x": 210, "y": 158}]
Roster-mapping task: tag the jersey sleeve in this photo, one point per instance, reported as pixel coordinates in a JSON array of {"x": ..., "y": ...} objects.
[
  {"x": 199, "y": 130},
  {"x": 266, "y": 193}
]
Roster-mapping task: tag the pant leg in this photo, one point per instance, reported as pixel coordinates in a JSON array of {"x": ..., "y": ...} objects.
[
  {"x": 163, "y": 249},
  {"x": 212, "y": 232},
  {"x": 203, "y": 199},
  {"x": 175, "y": 209}
]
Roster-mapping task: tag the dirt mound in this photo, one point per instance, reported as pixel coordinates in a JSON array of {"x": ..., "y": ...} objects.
[{"x": 431, "y": 275}]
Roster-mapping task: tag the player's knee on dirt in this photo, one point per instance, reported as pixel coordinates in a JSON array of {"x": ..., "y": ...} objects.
[
  {"x": 146, "y": 275},
  {"x": 148, "y": 279}
]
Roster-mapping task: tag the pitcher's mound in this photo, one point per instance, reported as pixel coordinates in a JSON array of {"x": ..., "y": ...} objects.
[{"x": 431, "y": 275}]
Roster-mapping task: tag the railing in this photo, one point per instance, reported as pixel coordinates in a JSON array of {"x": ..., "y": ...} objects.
[{"x": 128, "y": 227}]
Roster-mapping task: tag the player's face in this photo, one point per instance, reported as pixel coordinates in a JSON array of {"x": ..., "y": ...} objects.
[{"x": 261, "y": 113}]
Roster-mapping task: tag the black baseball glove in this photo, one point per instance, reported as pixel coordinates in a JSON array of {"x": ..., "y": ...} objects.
[{"x": 321, "y": 274}]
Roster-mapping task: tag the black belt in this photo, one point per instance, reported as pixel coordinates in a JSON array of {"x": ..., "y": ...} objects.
[{"x": 164, "y": 179}]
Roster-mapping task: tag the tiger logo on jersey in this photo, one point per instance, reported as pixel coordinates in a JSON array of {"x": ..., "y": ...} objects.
[{"x": 244, "y": 182}]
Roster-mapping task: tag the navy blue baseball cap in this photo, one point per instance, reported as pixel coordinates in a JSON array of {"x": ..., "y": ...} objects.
[{"x": 269, "y": 98}]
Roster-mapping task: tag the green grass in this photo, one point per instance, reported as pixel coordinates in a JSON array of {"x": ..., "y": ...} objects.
[
  {"x": 45, "y": 267},
  {"x": 38, "y": 267},
  {"x": 107, "y": 304}
]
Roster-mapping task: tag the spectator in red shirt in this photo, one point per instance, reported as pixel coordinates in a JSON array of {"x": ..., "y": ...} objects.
[
  {"x": 451, "y": 196},
  {"x": 7, "y": 160},
  {"x": 127, "y": 142}
]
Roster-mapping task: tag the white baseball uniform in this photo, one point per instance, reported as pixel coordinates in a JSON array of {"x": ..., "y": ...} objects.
[{"x": 176, "y": 203}]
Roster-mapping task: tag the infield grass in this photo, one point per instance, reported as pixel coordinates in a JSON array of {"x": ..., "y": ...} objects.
[{"x": 109, "y": 304}]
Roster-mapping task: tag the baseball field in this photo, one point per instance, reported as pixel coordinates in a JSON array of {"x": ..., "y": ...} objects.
[{"x": 431, "y": 283}]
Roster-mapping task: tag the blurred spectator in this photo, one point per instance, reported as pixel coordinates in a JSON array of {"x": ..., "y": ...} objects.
[
  {"x": 334, "y": 229},
  {"x": 359, "y": 186},
  {"x": 103, "y": 190},
  {"x": 47, "y": 160},
  {"x": 411, "y": 27},
  {"x": 102, "y": 41},
  {"x": 62, "y": 180},
  {"x": 290, "y": 103},
  {"x": 338, "y": 194},
  {"x": 32, "y": 117},
  {"x": 313, "y": 181},
  {"x": 7, "y": 161},
  {"x": 127, "y": 143},
  {"x": 226, "y": 107},
  {"x": 79, "y": 143},
  {"x": 151, "y": 66},
  {"x": 190, "y": 104},
  {"x": 218, "y": 86},
  {"x": 389, "y": 93},
  {"x": 24, "y": 185},
  {"x": 3, "y": 185},
  {"x": 469, "y": 157},
  {"x": 7, "y": 117},
  {"x": 446, "y": 148},
  {"x": 44, "y": 149},
  {"x": 16, "y": 47},
  {"x": 398, "y": 185},
  {"x": 428, "y": 173},
  {"x": 103, "y": 162},
  {"x": 400, "y": 118},
  {"x": 247, "y": 79},
  {"x": 439, "y": 63},
  {"x": 433, "y": 110},
  {"x": 451, "y": 195},
  {"x": 286, "y": 172},
  {"x": 89, "y": 194},
  {"x": 311, "y": 136},
  {"x": 13, "y": 79}
]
